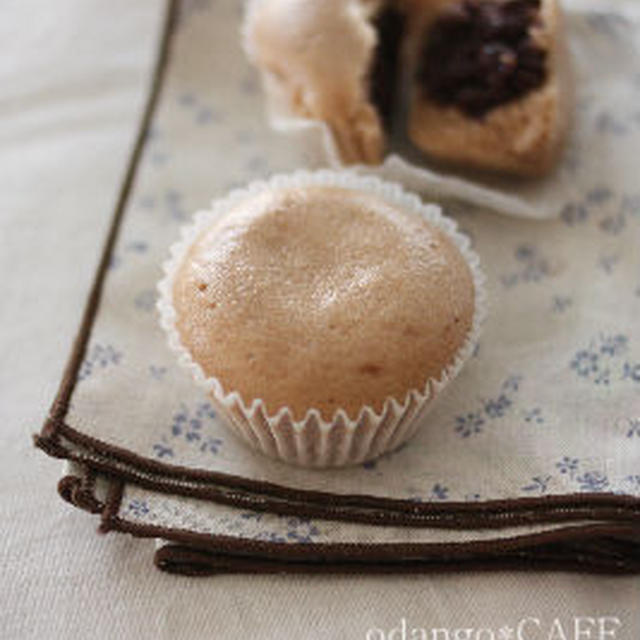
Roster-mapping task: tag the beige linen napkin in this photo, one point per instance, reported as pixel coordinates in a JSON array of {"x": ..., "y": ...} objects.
[{"x": 530, "y": 459}]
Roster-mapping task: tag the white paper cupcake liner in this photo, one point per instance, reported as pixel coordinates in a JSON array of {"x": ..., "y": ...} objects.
[{"x": 312, "y": 441}]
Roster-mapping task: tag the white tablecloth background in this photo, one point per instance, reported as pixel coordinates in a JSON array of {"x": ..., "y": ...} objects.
[{"x": 73, "y": 76}]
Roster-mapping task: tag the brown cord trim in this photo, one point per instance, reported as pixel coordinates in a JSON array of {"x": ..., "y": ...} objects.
[
  {"x": 407, "y": 553},
  {"x": 265, "y": 495},
  {"x": 69, "y": 379},
  {"x": 439, "y": 517},
  {"x": 79, "y": 491},
  {"x": 582, "y": 548},
  {"x": 376, "y": 510},
  {"x": 200, "y": 555},
  {"x": 110, "y": 512},
  {"x": 193, "y": 561}
]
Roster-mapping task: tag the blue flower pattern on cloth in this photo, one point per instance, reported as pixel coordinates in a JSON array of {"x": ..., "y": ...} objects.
[
  {"x": 631, "y": 371},
  {"x": 568, "y": 465},
  {"x": 609, "y": 25},
  {"x": 146, "y": 300},
  {"x": 135, "y": 247},
  {"x": 190, "y": 426},
  {"x": 633, "y": 481},
  {"x": 470, "y": 423},
  {"x": 538, "y": 484},
  {"x": 98, "y": 357},
  {"x": 602, "y": 359},
  {"x": 438, "y": 492},
  {"x": 473, "y": 422},
  {"x": 174, "y": 204},
  {"x": 157, "y": 372},
  {"x": 560, "y": 303},
  {"x": 139, "y": 508},
  {"x": 633, "y": 427},
  {"x": 609, "y": 123},
  {"x": 202, "y": 114},
  {"x": 300, "y": 530},
  {"x": 608, "y": 262},
  {"x": 254, "y": 525},
  {"x": 579, "y": 474},
  {"x": 158, "y": 157},
  {"x": 533, "y": 266},
  {"x": 593, "y": 481},
  {"x": 609, "y": 212},
  {"x": 533, "y": 416}
]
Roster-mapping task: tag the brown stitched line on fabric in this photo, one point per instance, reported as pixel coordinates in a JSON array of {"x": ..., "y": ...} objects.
[
  {"x": 452, "y": 519},
  {"x": 360, "y": 554},
  {"x": 66, "y": 486},
  {"x": 187, "y": 560},
  {"x": 84, "y": 493},
  {"x": 351, "y": 551},
  {"x": 522, "y": 552},
  {"x": 48, "y": 439},
  {"x": 183, "y": 560},
  {"x": 79, "y": 490},
  {"x": 601, "y": 505},
  {"x": 366, "y": 551},
  {"x": 69, "y": 379},
  {"x": 545, "y": 509},
  {"x": 89, "y": 481},
  {"x": 51, "y": 446},
  {"x": 72, "y": 490},
  {"x": 447, "y": 516},
  {"x": 112, "y": 505}
]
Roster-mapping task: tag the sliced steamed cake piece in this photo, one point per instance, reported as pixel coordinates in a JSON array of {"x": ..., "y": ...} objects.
[
  {"x": 491, "y": 86},
  {"x": 326, "y": 61}
]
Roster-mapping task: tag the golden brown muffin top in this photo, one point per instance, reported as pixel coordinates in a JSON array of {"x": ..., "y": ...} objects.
[{"x": 322, "y": 297}]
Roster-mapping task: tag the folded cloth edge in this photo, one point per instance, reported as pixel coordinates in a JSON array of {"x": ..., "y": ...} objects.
[
  {"x": 611, "y": 548},
  {"x": 117, "y": 463},
  {"x": 361, "y": 508}
]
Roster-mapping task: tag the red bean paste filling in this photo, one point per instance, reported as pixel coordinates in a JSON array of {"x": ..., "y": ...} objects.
[
  {"x": 478, "y": 55},
  {"x": 383, "y": 79}
]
